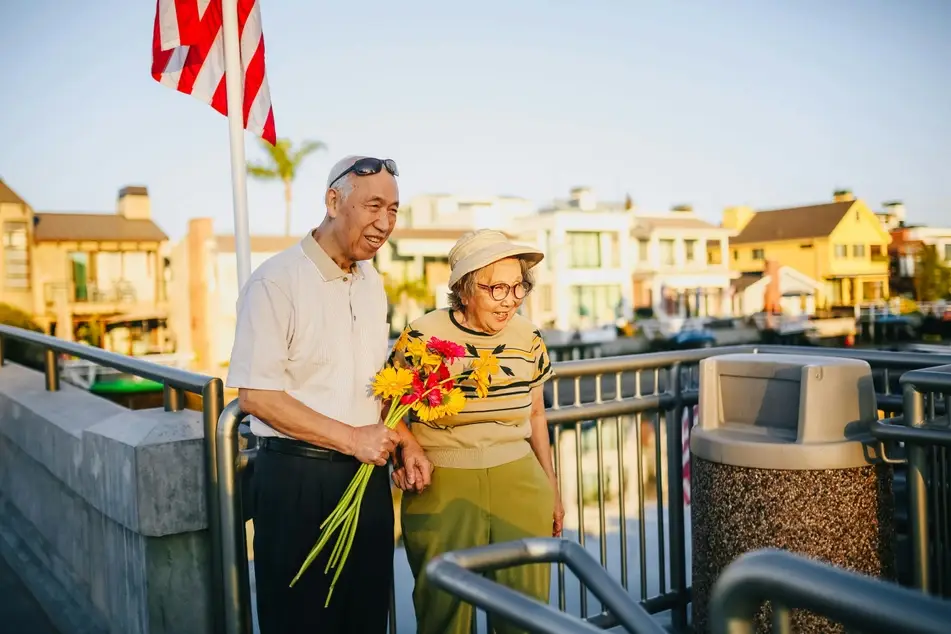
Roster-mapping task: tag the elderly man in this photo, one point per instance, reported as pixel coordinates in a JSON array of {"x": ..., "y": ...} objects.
[{"x": 311, "y": 334}]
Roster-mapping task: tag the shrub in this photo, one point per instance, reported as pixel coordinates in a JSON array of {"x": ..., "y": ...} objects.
[{"x": 23, "y": 353}]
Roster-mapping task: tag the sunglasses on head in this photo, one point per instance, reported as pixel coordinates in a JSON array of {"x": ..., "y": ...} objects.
[{"x": 368, "y": 166}]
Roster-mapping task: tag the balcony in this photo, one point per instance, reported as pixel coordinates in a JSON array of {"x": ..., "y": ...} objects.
[{"x": 94, "y": 298}]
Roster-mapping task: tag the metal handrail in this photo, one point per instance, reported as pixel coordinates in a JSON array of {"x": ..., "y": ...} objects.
[
  {"x": 928, "y": 379},
  {"x": 456, "y": 573},
  {"x": 174, "y": 377},
  {"x": 176, "y": 382},
  {"x": 234, "y": 559},
  {"x": 854, "y": 600}
]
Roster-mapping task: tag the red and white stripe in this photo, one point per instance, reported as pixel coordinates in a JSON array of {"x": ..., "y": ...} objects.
[
  {"x": 685, "y": 453},
  {"x": 188, "y": 55}
]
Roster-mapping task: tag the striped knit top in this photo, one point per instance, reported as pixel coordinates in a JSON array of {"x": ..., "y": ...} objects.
[{"x": 493, "y": 430}]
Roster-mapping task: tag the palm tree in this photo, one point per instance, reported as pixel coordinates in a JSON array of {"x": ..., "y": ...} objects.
[
  {"x": 407, "y": 295},
  {"x": 282, "y": 164}
]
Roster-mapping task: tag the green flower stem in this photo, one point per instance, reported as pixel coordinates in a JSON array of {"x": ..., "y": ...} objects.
[
  {"x": 324, "y": 538},
  {"x": 346, "y": 514},
  {"x": 351, "y": 520},
  {"x": 346, "y": 552}
]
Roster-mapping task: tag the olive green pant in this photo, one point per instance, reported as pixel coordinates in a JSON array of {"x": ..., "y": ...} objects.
[{"x": 463, "y": 508}]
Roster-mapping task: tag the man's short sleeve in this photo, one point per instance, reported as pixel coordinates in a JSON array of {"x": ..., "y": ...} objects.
[{"x": 259, "y": 355}]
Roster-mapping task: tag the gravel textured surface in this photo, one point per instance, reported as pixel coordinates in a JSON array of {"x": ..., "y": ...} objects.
[{"x": 843, "y": 517}]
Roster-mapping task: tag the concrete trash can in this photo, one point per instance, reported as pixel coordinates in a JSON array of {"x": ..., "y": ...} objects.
[{"x": 781, "y": 459}]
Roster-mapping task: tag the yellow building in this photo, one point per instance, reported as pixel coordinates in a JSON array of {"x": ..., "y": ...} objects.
[
  {"x": 92, "y": 276},
  {"x": 841, "y": 244}
]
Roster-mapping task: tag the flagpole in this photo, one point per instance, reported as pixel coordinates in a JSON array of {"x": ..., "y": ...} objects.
[{"x": 234, "y": 83}]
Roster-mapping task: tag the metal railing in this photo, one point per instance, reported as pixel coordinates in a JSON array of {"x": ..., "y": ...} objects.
[
  {"x": 790, "y": 581},
  {"x": 457, "y": 572},
  {"x": 177, "y": 383},
  {"x": 612, "y": 400},
  {"x": 637, "y": 400},
  {"x": 927, "y": 437}
]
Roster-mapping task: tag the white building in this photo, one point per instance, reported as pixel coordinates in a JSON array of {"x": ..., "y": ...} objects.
[
  {"x": 798, "y": 292},
  {"x": 203, "y": 291},
  {"x": 679, "y": 264},
  {"x": 585, "y": 278},
  {"x": 448, "y": 211},
  {"x": 605, "y": 259}
]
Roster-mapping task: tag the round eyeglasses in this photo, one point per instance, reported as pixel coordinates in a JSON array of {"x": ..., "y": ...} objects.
[{"x": 498, "y": 292}]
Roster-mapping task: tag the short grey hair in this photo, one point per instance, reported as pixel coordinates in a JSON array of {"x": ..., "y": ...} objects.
[
  {"x": 344, "y": 186},
  {"x": 465, "y": 288}
]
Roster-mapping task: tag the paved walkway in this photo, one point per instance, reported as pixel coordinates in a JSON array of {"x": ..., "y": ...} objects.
[{"x": 19, "y": 611}]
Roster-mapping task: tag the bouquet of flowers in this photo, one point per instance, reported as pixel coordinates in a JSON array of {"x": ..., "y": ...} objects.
[{"x": 418, "y": 379}]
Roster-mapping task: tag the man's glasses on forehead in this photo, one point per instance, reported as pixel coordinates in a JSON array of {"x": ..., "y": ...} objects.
[{"x": 368, "y": 166}]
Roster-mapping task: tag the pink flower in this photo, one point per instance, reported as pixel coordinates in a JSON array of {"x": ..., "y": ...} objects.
[{"x": 448, "y": 350}]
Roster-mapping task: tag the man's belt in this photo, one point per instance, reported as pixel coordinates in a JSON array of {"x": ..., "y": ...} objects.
[{"x": 291, "y": 447}]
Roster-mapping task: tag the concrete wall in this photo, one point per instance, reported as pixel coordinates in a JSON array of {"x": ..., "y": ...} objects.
[{"x": 102, "y": 509}]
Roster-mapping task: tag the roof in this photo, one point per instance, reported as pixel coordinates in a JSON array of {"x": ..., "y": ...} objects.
[
  {"x": 796, "y": 223},
  {"x": 7, "y": 195},
  {"x": 259, "y": 244},
  {"x": 63, "y": 227},
  {"x": 745, "y": 280},
  {"x": 560, "y": 205},
  {"x": 652, "y": 223},
  {"x": 428, "y": 234}
]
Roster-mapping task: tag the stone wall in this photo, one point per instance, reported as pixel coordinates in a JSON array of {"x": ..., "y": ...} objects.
[{"x": 102, "y": 509}]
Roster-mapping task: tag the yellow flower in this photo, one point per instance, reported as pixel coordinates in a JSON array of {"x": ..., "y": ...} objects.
[
  {"x": 428, "y": 413},
  {"x": 487, "y": 363},
  {"x": 480, "y": 379},
  {"x": 402, "y": 342},
  {"x": 392, "y": 382},
  {"x": 422, "y": 356},
  {"x": 453, "y": 402}
]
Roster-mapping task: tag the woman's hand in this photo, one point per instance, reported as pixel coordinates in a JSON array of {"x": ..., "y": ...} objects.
[
  {"x": 558, "y": 517},
  {"x": 414, "y": 471}
]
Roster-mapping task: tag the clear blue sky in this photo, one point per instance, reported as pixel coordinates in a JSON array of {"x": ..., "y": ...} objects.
[{"x": 762, "y": 102}]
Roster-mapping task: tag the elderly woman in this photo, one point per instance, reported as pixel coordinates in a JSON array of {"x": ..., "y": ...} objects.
[{"x": 492, "y": 478}]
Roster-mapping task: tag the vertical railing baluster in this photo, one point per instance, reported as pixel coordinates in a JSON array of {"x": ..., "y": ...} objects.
[
  {"x": 621, "y": 479},
  {"x": 659, "y": 450},
  {"x": 51, "y": 369},
  {"x": 562, "y": 598},
  {"x": 675, "y": 489},
  {"x": 914, "y": 416},
  {"x": 173, "y": 398}
]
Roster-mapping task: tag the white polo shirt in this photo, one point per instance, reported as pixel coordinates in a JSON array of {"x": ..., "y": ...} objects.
[{"x": 314, "y": 331}]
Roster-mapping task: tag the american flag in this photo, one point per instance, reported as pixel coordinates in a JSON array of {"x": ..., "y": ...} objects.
[
  {"x": 188, "y": 55},
  {"x": 685, "y": 449}
]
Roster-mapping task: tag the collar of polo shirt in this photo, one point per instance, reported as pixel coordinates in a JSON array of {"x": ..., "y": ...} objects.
[{"x": 327, "y": 268}]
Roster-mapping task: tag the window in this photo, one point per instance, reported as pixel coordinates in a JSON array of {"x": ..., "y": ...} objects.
[
  {"x": 594, "y": 305},
  {"x": 841, "y": 251},
  {"x": 545, "y": 297},
  {"x": 736, "y": 254},
  {"x": 758, "y": 254},
  {"x": 667, "y": 252},
  {"x": 584, "y": 249},
  {"x": 615, "y": 250},
  {"x": 858, "y": 250},
  {"x": 16, "y": 256},
  {"x": 643, "y": 249},
  {"x": 690, "y": 250},
  {"x": 947, "y": 252}
]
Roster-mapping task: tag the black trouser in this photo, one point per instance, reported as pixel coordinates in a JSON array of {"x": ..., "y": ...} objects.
[{"x": 292, "y": 496}]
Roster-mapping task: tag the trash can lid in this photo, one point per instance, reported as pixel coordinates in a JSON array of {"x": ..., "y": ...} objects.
[{"x": 785, "y": 412}]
